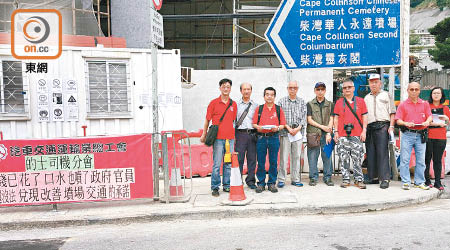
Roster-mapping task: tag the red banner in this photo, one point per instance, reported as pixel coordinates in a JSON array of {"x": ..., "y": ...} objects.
[{"x": 75, "y": 170}]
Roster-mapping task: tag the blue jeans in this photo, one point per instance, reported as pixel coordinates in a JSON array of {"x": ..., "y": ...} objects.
[
  {"x": 218, "y": 153},
  {"x": 408, "y": 141},
  {"x": 313, "y": 157},
  {"x": 264, "y": 144}
]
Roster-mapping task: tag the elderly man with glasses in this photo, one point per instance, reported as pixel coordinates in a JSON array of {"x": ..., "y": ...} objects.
[
  {"x": 414, "y": 116},
  {"x": 294, "y": 108}
]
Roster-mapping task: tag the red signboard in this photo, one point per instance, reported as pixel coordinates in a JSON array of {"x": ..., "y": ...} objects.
[
  {"x": 75, "y": 170},
  {"x": 157, "y": 4}
]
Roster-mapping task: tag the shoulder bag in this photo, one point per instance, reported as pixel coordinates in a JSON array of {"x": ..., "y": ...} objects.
[{"x": 211, "y": 135}]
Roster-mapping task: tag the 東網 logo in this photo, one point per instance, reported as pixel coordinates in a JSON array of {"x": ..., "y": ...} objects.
[{"x": 36, "y": 34}]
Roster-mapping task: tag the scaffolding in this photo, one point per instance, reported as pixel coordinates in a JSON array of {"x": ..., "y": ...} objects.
[
  {"x": 220, "y": 34},
  {"x": 80, "y": 17}
]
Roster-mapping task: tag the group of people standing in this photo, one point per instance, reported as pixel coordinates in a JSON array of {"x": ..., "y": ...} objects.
[{"x": 255, "y": 131}]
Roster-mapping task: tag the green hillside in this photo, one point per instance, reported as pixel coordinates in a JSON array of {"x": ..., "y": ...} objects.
[{"x": 422, "y": 4}]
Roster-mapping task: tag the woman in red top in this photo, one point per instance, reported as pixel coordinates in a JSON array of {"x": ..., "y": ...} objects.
[{"x": 437, "y": 136}]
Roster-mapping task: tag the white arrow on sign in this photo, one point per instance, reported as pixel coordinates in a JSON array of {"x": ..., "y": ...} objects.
[{"x": 274, "y": 34}]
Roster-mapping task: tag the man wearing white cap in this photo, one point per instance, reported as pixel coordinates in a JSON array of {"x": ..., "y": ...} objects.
[{"x": 381, "y": 112}]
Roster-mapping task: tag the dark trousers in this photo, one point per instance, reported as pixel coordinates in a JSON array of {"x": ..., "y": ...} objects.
[
  {"x": 246, "y": 146},
  {"x": 435, "y": 150},
  {"x": 264, "y": 145},
  {"x": 377, "y": 148}
]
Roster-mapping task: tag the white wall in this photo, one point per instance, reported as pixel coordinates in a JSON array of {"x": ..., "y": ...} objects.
[
  {"x": 71, "y": 65},
  {"x": 197, "y": 98}
]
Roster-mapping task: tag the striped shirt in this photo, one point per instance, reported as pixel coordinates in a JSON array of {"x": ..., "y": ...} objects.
[{"x": 295, "y": 112}]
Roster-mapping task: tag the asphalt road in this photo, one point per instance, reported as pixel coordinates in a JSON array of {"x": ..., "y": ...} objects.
[{"x": 422, "y": 227}]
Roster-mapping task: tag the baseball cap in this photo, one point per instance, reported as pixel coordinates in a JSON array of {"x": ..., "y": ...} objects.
[
  {"x": 320, "y": 84},
  {"x": 374, "y": 76}
]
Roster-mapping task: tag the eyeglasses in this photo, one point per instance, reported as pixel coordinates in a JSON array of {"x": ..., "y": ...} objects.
[
  {"x": 320, "y": 89},
  {"x": 348, "y": 87},
  {"x": 416, "y": 90}
]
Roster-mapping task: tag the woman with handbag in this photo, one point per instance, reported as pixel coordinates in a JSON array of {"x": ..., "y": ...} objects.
[{"x": 437, "y": 136}]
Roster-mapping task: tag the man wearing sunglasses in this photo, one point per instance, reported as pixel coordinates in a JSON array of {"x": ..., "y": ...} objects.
[
  {"x": 414, "y": 115},
  {"x": 350, "y": 120}
]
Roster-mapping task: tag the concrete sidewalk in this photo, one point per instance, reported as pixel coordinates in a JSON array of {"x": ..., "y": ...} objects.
[{"x": 290, "y": 200}]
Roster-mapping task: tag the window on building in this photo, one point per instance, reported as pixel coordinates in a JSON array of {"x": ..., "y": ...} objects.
[
  {"x": 108, "y": 90},
  {"x": 12, "y": 90}
]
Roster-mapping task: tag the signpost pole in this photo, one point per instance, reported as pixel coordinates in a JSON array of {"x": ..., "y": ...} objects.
[
  {"x": 155, "y": 139},
  {"x": 235, "y": 37},
  {"x": 404, "y": 79}
]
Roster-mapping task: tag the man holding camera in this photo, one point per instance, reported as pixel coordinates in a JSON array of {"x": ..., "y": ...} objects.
[
  {"x": 381, "y": 112},
  {"x": 294, "y": 108},
  {"x": 414, "y": 115},
  {"x": 350, "y": 119}
]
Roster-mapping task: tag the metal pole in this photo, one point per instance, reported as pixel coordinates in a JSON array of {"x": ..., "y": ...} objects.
[
  {"x": 382, "y": 77},
  {"x": 155, "y": 119},
  {"x": 392, "y": 82},
  {"x": 165, "y": 155},
  {"x": 74, "y": 18},
  {"x": 405, "y": 49},
  {"x": 392, "y": 159},
  {"x": 235, "y": 36}
]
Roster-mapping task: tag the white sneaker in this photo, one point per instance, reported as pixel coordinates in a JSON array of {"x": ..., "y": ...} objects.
[
  {"x": 422, "y": 186},
  {"x": 405, "y": 186}
]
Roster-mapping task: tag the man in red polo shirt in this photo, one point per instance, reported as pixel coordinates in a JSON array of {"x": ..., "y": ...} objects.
[
  {"x": 350, "y": 134},
  {"x": 216, "y": 109},
  {"x": 268, "y": 120},
  {"x": 414, "y": 115}
]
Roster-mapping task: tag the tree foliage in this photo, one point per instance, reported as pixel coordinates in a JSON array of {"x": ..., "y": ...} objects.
[
  {"x": 414, "y": 3},
  {"x": 414, "y": 39},
  {"x": 441, "y": 54},
  {"x": 441, "y": 30},
  {"x": 442, "y": 3},
  {"x": 439, "y": 3}
]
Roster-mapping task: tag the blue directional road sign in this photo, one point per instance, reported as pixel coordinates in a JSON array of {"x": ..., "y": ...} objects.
[{"x": 336, "y": 33}]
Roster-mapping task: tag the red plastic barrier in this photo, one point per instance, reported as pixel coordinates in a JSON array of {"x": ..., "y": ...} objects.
[{"x": 201, "y": 155}]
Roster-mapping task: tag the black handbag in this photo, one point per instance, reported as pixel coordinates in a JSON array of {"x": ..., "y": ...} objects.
[{"x": 211, "y": 135}]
